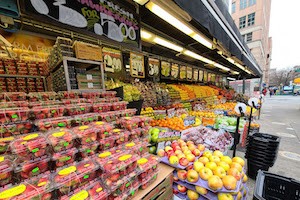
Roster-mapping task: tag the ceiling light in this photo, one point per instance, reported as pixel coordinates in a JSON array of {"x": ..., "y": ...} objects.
[
  {"x": 221, "y": 67},
  {"x": 231, "y": 79},
  {"x": 235, "y": 72},
  {"x": 249, "y": 72},
  {"x": 197, "y": 56},
  {"x": 145, "y": 35},
  {"x": 202, "y": 40},
  {"x": 141, "y": 2},
  {"x": 230, "y": 60},
  {"x": 167, "y": 44},
  {"x": 240, "y": 66}
]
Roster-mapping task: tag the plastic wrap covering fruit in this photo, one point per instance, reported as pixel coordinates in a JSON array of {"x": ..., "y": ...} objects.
[
  {"x": 121, "y": 105},
  {"x": 140, "y": 132},
  {"x": 39, "y": 187},
  {"x": 41, "y": 96},
  {"x": 122, "y": 135},
  {"x": 147, "y": 166},
  {"x": 112, "y": 100},
  {"x": 85, "y": 119},
  {"x": 103, "y": 129},
  {"x": 86, "y": 134},
  {"x": 5, "y": 144},
  {"x": 108, "y": 143},
  {"x": 14, "y": 104},
  {"x": 64, "y": 157},
  {"x": 108, "y": 94},
  {"x": 137, "y": 147},
  {"x": 61, "y": 139},
  {"x": 128, "y": 112},
  {"x": 30, "y": 146},
  {"x": 90, "y": 95},
  {"x": 72, "y": 176},
  {"x": 148, "y": 180},
  {"x": 51, "y": 123},
  {"x": 134, "y": 188},
  {"x": 97, "y": 100},
  {"x": 6, "y": 170},
  {"x": 14, "y": 114},
  {"x": 93, "y": 190},
  {"x": 13, "y": 129},
  {"x": 88, "y": 150},
  {"x": 129, "y": 123},
  {"x": 30, "y": 168},
  {"x": 78, "y": 109},
  {"x": 101, "y": 107},
  {"x": 47, "y": 112},
  {"x": 68, "y": 95},
  {"x": 110, "y": 116},
  {"x": 14, "y": 96},
  {"x": 74, "y": 101},
  {"x": 144, "y": 121}
]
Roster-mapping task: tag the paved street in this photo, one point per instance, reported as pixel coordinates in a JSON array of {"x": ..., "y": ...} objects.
[{"x": 280, "y": 116}]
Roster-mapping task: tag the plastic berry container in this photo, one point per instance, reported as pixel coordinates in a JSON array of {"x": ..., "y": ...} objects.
[
  {"x": 122, "y": 188},
  {"x": 91, "y": 95},
  {"x": 61, "y": 139},
  {"x": 106, "y": 117},
  {"x": 73, "y": 101},
  {"x": 108, "y": 94},
  {"x": 121, "y": 105},
  {"x": 3, "y": 118},
  {"x": 30, "y": 168},
  {"x": 15, "y": 96},
  {"x": 6, "y": 170},
  {"x": 17, "y": 114},
  {"x": 144, "y": 121},
  {"x": 30, "y": 146},
  {"x": 108, "y": 143},
  {"x": 78, "y": 109},
  {"x": 68, "y": 95},
  {"x": 103, "y": 129},
  {"x": 86, "y": 134},
  {"x": 85, "y": 119},
  {"x": 5, "y": 144},
  {"x": 147, "y": 166},
  {"x": 112, "y": 100},
  {"x": 145, "y": 131},
  {"x": 64, "y": 157},
  {"x": 145, "y": 182},
  {"x": 122, "y": 135},
  {"x": 47, "y": 112},
  {"x": 101, "y": 107},
  {"x": 137, "y": 147},
  {"x": 48, "y": 124},
  {"x": 97, "y": 100},
  {"x": 88, "y": 150},
  {"x": 129, "y": 123}
]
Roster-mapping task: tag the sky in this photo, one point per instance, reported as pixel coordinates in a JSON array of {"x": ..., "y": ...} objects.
[{"x": 285, "y": 33}]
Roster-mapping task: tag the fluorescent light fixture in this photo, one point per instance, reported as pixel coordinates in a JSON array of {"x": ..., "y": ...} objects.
[
  {"x": 197, "y": 56},
  {"x": 221, "y": 67},
  {"x": 240, "y": 66},
  {"x": 235, "y": 72},
  {"x": 167, "y": 44},
  {"x": 231, "y": 79},
  {"x": 249, "y": 72},
  {"x": 5, "y": 41},
  {"x": 230, "y": 60},
  {"x": 141, "y": 2},
  {"x": 145, "y": 35},
  {"x": 202, "y": 40}
]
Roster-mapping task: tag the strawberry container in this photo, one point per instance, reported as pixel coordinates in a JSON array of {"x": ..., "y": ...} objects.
[
  {"x": 68, "y": 95},
  {"x": 5, "y": 144},
  {"x": 129, "y": 123},
  {"x": 112, "y": 100},
  {"x": 101, "y": 107},
  {"x": 13, "y": 129},
  {"x": 3, "y": 118},
  {"x": 147, "y": 166},
  {"x": 121, "y": 105},
  {"x": 144, "y": 121},
  {"x": 103, "y": 129},
  {"x": 90, "y": 95},
  {"x": 88, "y": 150},
  {"x": 30, "y": 146},
  {"x": 15, "y": 96},
  {"x": 78, "y": 109},
  {"x": 61, "y": 139},
  {"x": 51, "y": 123},
  {"x": 72, "y": 176},
  {"x": 41, "y": 96},
  {"x": 108, "y": 94},
  {"x": 86, "y": 134},
  {"x": 108, "y": 143},
  {"x": 148, "y": 180},
  {"x": 137, "y": 147},
  {"x": 47, "y": 112},
  {"x": 30, "y": 168},
  {"x": 64, "y": 157},
  {"x": 16, "y": 114},
  {"x": 44, "y": 103},
  {"x": 6, "y": 170},
  {"x": 85, "y": 119},
  {"x": 122, "y": 135},
  {"x": 97, "y": 100},
  {"x": 74, "y": 101},
  {"x": 110, "y": 116},
  {"x": 13, "y": 104}
]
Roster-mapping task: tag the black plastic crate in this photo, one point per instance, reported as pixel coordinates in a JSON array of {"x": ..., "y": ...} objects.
[
  {"x": 257, "y": 152},
  {"x": 252, "y": 169},
  {"x": 261, "y": 147},
  {"x": 271, "y": 138},
  {"x": 275, "y": 187},
  {"x": 262, "y": 142},
  {"x": 261, "y": 162}
]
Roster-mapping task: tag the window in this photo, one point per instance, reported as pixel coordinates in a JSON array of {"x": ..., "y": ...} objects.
[
  {"x": 233, "y": 7},
  {"x": 251, "y": 2},
  {"x": 247, "y": 37},
  {"x": 251, "y": 19},
  {"x": 243, "y": 4},
  {"x": 243, "y": 22}
]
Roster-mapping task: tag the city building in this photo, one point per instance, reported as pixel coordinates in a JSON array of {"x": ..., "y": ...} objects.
[{"x": 252, "y": 17}]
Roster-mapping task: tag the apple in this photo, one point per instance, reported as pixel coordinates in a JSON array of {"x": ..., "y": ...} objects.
[
  {"x": 245, "y": 178},
  {"x": 174, "y": 145},
  {"x": 177, "y": 148},
  {"x": 207, "y": 154},
  {"x": 196, "y": 152},
  {"x": 181, "y": 156},
  {"x": 214, "y": 159},
  {"x": 186, "y": 152},
  {"x": 192, "y": 176},
  {"x": 239, "y": 160},
  {"x": 171, "y": 153},
  {"x": 201, "y": 190},
  {"x": 192, "y": 147},
  {"x": 205, "y": 173},
  {"x": 215, "y": 182},
  {"x": 189, "y": 167},
  {"x": 183, "y": 162},
  {"x": 182, "y": 174},
  {"x": 225, "y": 196},
  {"x": 229, "y": 182},
  {"x": 239, "y": 196},
  {"x": 218, "y": 153},
  {"x": 161, "y": 153},
  {"x": 235, "y": 173},
  {"x": 219, "y": 171},
  {"x": 180, "y": 141},
  {"x": 198, "y": 165},
  {"x": 192, "y": 195},
  {"x": 190, "y": 143},
  {"x": 204, "y": 160},
  {"x": 185, "y": 148},
  {"x": 181, "y": 188},
  {"x": 175, "y": 179},
  {"x": 177, "y": 152},
  {"x": 211, "y": 165},
  {"x": 168, "y": 148},
  {"x": 190, "y": 157},
  {"x": 173, "y": 160},
  {"x": 237, "y": 166},
  {"x": 224, "y": 165},
  {"x": 226, "y": 159},
  {"x": 201, "y": 147}
]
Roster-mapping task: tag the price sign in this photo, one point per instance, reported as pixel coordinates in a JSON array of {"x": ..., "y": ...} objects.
[
  {"x": 201, "y": 75},
  {"x": 205, "y": 76},
  {"x": 174, "y": 71},
  {"x": 112, "y": 59},
  {"x": 165, "y": 69},
  {"x": 190, "y": 120},
  {"x": 153, "y": 67},
  {"x": 182, "y": 74},
  {"x": 195, "y": 74},
  {"x": 137, "y": 68},
  {"x": 189, "y": 73},
  {"x": 171, "y": 112}
]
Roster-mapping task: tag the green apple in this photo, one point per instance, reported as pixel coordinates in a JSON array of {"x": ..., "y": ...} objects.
[{"x": 152, "y": 149}]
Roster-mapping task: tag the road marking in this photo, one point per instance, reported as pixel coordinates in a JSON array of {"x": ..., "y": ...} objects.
[
  {"x": 290, "y": 155},
  {"x": 266, "y": 115},
  {"x": 278, "y": 123},
  {"x": 285, "y": 135},
  {"x": 290, "y": 129}
]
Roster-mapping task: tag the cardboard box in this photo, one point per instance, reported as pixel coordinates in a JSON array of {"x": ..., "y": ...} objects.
[
  {"x": 161, "y": 188},
  {"x": 87, "y": 51}
]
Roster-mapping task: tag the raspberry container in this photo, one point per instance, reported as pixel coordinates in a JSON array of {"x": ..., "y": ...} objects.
[
  {"x": 129, "y": 123},
  {"x": 102, "y": 107},
  {"x": 5, "y": 144},
  {"x": 86, "y": 134},
  {"x": 85, "y": 119},
  {"x": 28, "y": 169},
  {"x": 88, "y": 150},
  {"x": 51, "y": 123},
  {"x": 90, "y": 95},
  {"x": 61, "y": 139},
  {"x": 70, "y": 177},
  {"x": 30, "y": 146},
  {"x": 47, "y": 112},
  {"x": 108, "y": 94},
  {"x": 121, "y": 105},
  {"x": 64, "y": 157},
  {"x": 74, "y": 101},
  {"x": 103, "y": 129},
  {"x": 6, "y": 170},
  {"x": 68, "y": 95}
]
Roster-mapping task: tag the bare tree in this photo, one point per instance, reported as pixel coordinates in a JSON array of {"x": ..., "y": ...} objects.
[{"x": 282, "y": 76}]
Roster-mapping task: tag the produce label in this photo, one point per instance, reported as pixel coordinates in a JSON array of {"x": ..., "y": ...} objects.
[
  {"x": 58, "y": 134},
  {"x": 182, "y": 74},
  {"x": 137, "y": 68},
  {"x": 165, "y": 69},
  {"x": 67, "y": 171},
  {"x": 82, "y": 195},
  {"x": 1, "y": 158},
  {"x": 189, "y": 73},
  {"x": 42, "y": 184},
  {"x": 99, "y": 189},
  {"x": 168, "y": 136},
  {"x": 174, "y": 70},
  {"x": 30, "y": 137},
  {"x": 104, "y": 155},
  {"x": 190, "y": 120},
  {"x": 195, "y": 74},
  {"x": 112, "y": 59},
  {"x": 205, "y": 76},
  {"x": 201, "y": 75},
  {"x": 209, "y": 77},
  {"x": 171, "y": 112},
  {"x": 125, "y": 157},
  {"x": 153, "y": 67},
  {"x": 14, "y": 191},
  {"x": 142, "y": 161}
]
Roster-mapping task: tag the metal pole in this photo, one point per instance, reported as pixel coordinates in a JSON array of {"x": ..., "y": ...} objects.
[
  {"x": 244, "y": 85},
  {"x": 66, "y": 70},
  {"x": 250, "y": 119},
  {"x": 236, "y": 136},
  {"x": 260, "y": 107}
]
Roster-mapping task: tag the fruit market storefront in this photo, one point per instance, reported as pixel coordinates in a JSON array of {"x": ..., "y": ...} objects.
[{"x": 78, "y": 140}]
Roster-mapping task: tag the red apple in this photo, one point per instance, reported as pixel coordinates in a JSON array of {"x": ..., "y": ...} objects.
[
  {"x": 192, "y": 176},
  {"x": 181, "y": 188},
  {"x": 196, "y": 152},
  {"x": 182, "y": 174},
  {"x": 183, "y": 162}
]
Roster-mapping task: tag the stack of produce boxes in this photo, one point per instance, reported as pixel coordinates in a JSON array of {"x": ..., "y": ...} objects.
[{"x": 53, "y": 146}]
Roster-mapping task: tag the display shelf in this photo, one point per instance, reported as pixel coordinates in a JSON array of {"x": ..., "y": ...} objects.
[{"x": 20, "y": 76}]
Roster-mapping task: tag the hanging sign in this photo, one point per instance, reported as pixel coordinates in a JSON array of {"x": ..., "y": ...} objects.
[
  {"x": 174, "y": 71},
  {"x": 201, "y": 75},
  {"x": 182, "y": 74},
  {"x": 213, "y": 78},
  {"x": 165, "y": 69},
  {"x": 137, "y": 68},
  {"x": 107, "y": 18},
  {"x": 208, "y": 77},
  {"x": 205, "y": 76},
  {"x": 112, "y": 59},
  {"x": 195, "y": 74},
  {"x": 153, "y": 67},
  {"x": 189, "y": 73}
]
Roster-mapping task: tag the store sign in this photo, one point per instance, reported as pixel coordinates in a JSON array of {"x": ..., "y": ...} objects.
[
  {"x": 200, "y": 75},
  {"x": 165, "y": 69},
  {"x": 195, "y": 74},
  {"x": 112, "y": 59},
  {"x": 189, "y": 73},
  {"x": 174, "y": 71},
  {"x": 153, "y": 67},
  {"x": 137, "y": 68},
  {"x": 205, "y": 76},
  {"x": 182, "y": 74},
  {"x": 100, "y": 17}
]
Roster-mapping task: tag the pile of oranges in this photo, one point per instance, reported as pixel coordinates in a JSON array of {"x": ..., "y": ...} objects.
[{"x": 174, "y": 123}]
